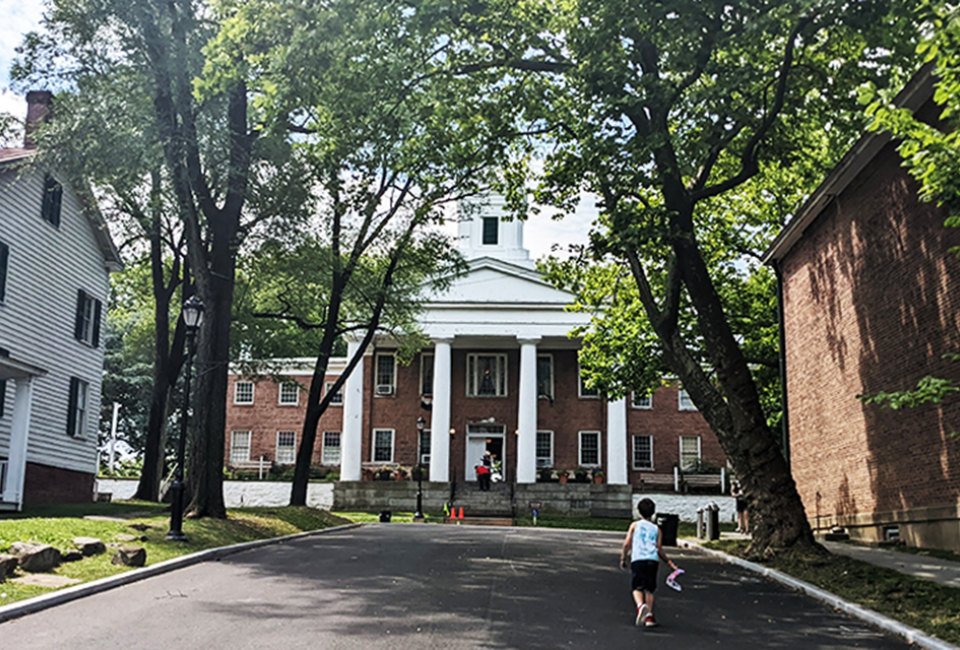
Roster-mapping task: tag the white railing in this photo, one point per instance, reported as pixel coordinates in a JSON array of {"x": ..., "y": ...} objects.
[{"x": 3, "y": 478}]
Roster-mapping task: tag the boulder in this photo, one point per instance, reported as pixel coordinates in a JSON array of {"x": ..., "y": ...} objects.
[
  {"x": 126, "y": 537},
  {"x": 36, "y": 558},
  {"x": 130, "y": 556},
  {"x": 89, "y": 545},
  {"x": 8, "y": 564},
  {"x": 72, "y": 555},
  {"x": 141, "y": 527}
]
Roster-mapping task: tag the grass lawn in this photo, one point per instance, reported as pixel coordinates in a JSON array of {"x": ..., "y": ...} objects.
[
  {"x": 58, "y": 526},
  {"x": 922, "y": 604}
]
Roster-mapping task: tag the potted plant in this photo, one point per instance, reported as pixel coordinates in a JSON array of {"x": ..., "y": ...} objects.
[
  {"x": 545, "y": 475},
  {"x": 598, "y": 476},
  {"x": 384, "y": 473},
  {"x": 563, "y": 476},
  {"x": 581, "y": 475}
]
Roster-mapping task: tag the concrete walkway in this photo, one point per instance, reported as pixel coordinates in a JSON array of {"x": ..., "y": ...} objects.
[{"x": 940, "y": 571}]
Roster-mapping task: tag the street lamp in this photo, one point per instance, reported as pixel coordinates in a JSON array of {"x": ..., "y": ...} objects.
[
  {"x": 192, "y": 314},
  {"x": 421, "y": 423}
]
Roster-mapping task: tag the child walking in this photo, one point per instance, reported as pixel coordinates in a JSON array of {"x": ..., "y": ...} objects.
[{"x": 643, "y": 546}]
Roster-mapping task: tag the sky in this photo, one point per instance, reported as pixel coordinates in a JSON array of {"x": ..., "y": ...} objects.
[{"x": 541, "y": 232}]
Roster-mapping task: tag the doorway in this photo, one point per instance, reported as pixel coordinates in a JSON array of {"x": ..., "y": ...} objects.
[{"x": 481, "y": 438}]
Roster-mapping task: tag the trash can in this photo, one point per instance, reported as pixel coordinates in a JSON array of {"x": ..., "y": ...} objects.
[
  {"x": 668, "y": 523},
  {"x": 701, "y": 524},
  {"x": 385, "y": 516},
  {"x": 713, "y": 522}
]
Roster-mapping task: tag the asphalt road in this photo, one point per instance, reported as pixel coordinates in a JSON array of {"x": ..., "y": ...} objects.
[{"x": 448, "y": 587}]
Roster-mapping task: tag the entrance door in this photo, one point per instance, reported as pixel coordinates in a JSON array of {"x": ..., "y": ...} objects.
[{"x": 481, "y": 438}]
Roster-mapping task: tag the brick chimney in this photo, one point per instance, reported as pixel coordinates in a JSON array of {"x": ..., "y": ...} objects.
[{"x": 39, "y": 109}]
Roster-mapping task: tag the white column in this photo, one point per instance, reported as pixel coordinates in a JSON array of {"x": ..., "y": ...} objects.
[
  {"x": 19, "y": 430},
  {"x": 527, "y": 412},
  {"x": 440, "y": 413},
  {"x": 351, "y": 439},
  {"x": 617, "y": 442}
]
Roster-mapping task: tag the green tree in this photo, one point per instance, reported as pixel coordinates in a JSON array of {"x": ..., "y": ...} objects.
[{"x": 683, "y": 117}]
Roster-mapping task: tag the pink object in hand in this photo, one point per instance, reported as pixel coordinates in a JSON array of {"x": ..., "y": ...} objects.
[{"x": 672, "y": 579}]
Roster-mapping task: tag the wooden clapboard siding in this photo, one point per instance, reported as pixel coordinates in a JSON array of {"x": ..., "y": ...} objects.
[{"x": 47, "y": 265}]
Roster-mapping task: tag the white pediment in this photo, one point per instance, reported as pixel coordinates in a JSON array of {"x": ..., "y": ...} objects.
[{"x": 494, "y": 282}]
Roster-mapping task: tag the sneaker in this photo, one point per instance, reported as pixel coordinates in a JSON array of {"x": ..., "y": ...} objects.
[
  {"x": 649, "y": 621},
  {"x": 641, "y": 614}
]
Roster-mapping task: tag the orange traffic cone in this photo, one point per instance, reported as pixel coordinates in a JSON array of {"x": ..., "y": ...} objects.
[{"x": 461, "y": 514}]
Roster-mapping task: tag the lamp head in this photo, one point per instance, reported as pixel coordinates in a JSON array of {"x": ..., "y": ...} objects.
[
  {"x": 192, "y": 312},
  {"x": 421, "y": 423}
]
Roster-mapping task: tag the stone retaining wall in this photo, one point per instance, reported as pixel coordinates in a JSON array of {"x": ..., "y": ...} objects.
[{"x": 238, "y": 494}]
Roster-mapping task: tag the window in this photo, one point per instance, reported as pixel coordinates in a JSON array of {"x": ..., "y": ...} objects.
[
  {"x": 289, "y": 393},
  {"x": 386, "y": 373},
  {"x": 545, "y": 376},
  {"x": 337, "y": 398},
  {"x": 383, "y": 445},
  {"x": 689, "y": 452},
  {"x": 86, "y": 323},
  {"x": 239, "y": 447},
  {"x": 52, "y": 199},
  {"x": 491, "y": 231},
  {"x": 243, "y": 392},
  {"x": 331, "y": 448},
  {"x": 586, "y": 392},
  {"x": 643, "y": 452},
  {"x": 425, "y": 447},
  {"x": 486, "y": 375},
  {"x": 544, "y": 448},
  {"x": 77, "y": 408},
  {"x": 641, "y": 401},
  {"x": 589, "y": 448},
  {"x": 426, "y": 375},
  {"x": 4, "y": 258},
  {"x": 684, "y": 403},
  {"x": 286, "y": 447}
]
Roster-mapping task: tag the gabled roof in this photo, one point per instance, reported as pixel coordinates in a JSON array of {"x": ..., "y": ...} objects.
[
  {"x": 915, "y": 94},
  {"x": 491, "y": 282},
  {"x": 111, "y": 256}
]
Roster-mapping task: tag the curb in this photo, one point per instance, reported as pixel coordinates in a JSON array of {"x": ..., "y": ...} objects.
[
  {"x": 38, "y": 603},
  {"x": 910, "y": 634}
]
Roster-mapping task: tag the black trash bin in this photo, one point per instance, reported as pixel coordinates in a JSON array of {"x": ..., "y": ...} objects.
[
  {"x": 669, "y": 525},
  {"x": 385, "y": 516},
  {"x": 713, "y": 522}
]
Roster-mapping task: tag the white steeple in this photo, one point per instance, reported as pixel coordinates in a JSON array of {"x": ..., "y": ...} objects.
[{"x": 484, "y": 231}]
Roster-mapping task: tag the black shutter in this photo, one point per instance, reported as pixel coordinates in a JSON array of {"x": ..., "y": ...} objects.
[
  {"x": 78, "y": 319},
  {"x": 45, "y": 206},
  {"x": 52, "y": 200},
  {"x": 3, "y": 395},
  {"x": 4, "y": 257},
  {"x": 97, "y": 308},
  {"x": 72, "y": 407},
  {"x": 57, "y": 202}
]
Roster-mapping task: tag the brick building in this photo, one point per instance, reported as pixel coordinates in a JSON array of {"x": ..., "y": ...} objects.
[
  {"x": 871, "y": 302},
  {"x": 501, "y": 375}
]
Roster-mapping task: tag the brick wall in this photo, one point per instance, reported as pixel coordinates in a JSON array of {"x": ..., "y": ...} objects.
[
  {"x": 44, "y": 484},
  {"x": 872, "y": 302}
]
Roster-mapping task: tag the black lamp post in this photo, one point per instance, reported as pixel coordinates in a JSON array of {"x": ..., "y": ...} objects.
[
  {"x": 421, "y": 423},
  {"x": 192, "y": 317}
]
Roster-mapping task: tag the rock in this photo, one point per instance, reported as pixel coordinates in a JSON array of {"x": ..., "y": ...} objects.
[
  {"x": 8, "y": 564},
  {"x": 89, "y": 545},
  {"x": 124, "y": 537},
  {"x": 49, "y": 580},
  {"x": 36, "y": 558},
  {"x": 131, "y": 556},
  {"x": 72, "y": 555},
  {"x": 141, "y": 527}
]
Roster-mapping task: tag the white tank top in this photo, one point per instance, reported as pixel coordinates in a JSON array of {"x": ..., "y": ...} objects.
[{"x": 645, "y": 541}]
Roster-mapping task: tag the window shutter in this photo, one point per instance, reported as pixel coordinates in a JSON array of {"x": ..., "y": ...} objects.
[
  {"x": 72, "y": 407},
  {"x": 56, "y": 203},
  {"x": 97, "y": 308},
  {"x": 78, "y": 319},
  {"x": 4, "y": 257}
]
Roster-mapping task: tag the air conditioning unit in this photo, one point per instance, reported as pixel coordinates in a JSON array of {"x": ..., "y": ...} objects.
[{"x": 384, "y": 389}]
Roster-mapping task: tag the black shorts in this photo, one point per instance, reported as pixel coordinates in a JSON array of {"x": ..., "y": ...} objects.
[
  {"x": 741, "y": 505},
  {"x": 644, "y": 575}
]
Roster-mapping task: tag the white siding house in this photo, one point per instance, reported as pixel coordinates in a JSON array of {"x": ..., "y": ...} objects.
[{"x": 55, "y": 258}]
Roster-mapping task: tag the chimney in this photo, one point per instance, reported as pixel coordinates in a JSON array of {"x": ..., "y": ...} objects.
[{"x": 39, "y": 108}]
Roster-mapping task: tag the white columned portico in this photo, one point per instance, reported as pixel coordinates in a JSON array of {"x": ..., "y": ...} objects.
[
  {"x": 527, "y": 411},
  {"x": 617, "y": 442},
  {"x": 440, "y": 413},
  {"x": 351, "y": 443}
]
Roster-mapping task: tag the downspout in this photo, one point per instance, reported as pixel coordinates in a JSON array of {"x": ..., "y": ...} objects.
[{"x": 784, "y": 418}]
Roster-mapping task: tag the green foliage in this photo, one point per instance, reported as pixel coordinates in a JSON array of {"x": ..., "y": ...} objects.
[{"x": 929, "y": 390}]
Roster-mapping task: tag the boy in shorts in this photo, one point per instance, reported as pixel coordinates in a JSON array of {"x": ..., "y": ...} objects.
[{"x": 643, "y": 546}]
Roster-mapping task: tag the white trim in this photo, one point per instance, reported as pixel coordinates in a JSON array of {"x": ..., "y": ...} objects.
[
  {"x": 580, "y": 385},
  {"x": 553, "y": 386},
  {"x": 680, "y": 440},
  {"x": 373, "y": 445},
  {"x": 552, "y": 449},
  {"x": 276, "y": 453},
  {"x": 384, "y": 390},
  {"x": 323, "y": 448},
  {"x": 422, "y": 457},
  {"x": 253, "y": 392},
  {"x": 500, "y": 357},
  {"x": 633, "y": 453},
  {"x": 580, "y": 462},
  {"x": 280, "y": 386},
  {"x": 424, "y": 356},
  {"x": 233, "y": 445},
  {"x": 640, "y": 407},
  {"x": 680, "y": 406}
]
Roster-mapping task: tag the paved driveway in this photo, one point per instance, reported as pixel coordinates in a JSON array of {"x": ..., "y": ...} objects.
[{"x": 446, "y": 587}]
